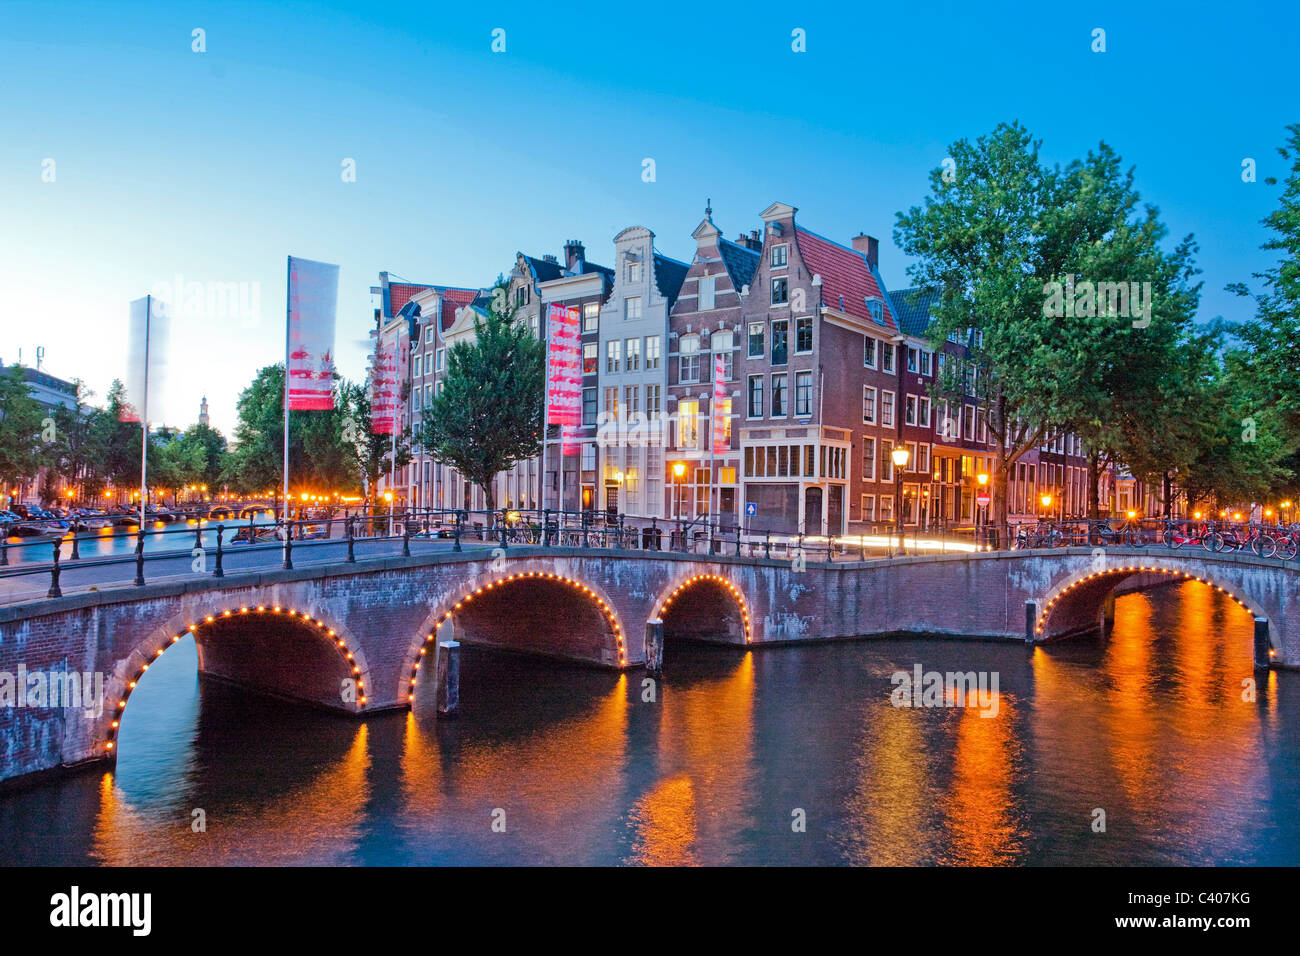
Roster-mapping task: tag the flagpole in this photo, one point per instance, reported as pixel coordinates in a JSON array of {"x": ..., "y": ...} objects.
[
  {"x": 288, "y": 292},
  {"x": 144, "y": 412},
  {"x": 392, "y": 461},
  {"x": 546, "y": 403}
]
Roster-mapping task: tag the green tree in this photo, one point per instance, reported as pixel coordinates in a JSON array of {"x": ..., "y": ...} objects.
[
  {"x": 319, "y": 458},
  {"x": 176, "y": 464},
  {"x": 374, "y": 452},
  {"x": 488, "y": 413},
  {"x": 22, "y": 422},
  {"x": 117, "y": 443}
]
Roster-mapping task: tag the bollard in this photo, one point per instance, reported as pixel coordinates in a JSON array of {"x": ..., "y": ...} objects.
[
  {"x": 737, "y": 540},
  {"x": 654, "y": 534},
  {"x": 457, "y": 547},
  {"x": 220, "y": 571},
  {"x": 198, "y": 533},
  {"x": 448, "y": 678},
  {"x": 352, "y": 557},
  {"x": 4, "y": 552},
  {"x": 654, "y": 647},
  {"x": 1031, "y": 615},
  {"x": 1263, "y": 654},
  {"x": 139, "y": 557},
  {"x": 767, "y": 544},
  {"x": 55, "y": 590},
  {"x": 288, "y": 546}
]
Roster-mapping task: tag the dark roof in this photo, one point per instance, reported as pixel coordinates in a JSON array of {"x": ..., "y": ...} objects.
[
  {"x": 741, "y": 262},
  {"x": 912, "y": 307},
  {"x": 543, "y": 270},
  {"x": 590, "y": 267},
  {"x": 669, "y": 276}
]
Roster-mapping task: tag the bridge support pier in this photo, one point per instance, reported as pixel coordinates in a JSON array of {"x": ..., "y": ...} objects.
[
  {"x": 1031, "y": 618},
  {"x": 1262, "y": 657},
  {"x": 448, "y": 678},
  {"x": 1106, "y": 619},
  {"x": 654, "y": 646}
]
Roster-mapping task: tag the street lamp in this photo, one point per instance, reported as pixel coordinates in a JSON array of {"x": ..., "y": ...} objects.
[
  {"x": 900, "y": 456},
  {"x": 1046, "y": 499},
  {"x": 679, "y": 472},
  {"x": 982, "y": 516}
]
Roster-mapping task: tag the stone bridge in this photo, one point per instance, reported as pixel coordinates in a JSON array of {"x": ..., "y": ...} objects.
[{"x": 359, "y": 637}]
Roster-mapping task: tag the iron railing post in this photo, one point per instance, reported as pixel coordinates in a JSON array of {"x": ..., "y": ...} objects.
[
  {"x": 504, "y": 542},
  {"x": 55, "y": 590},
  {"x": 457, "y": 546},
  {"x": 220, "y": 571},
  {"x": 406, "y": 538},
  {"x": 139, "y": 557},
  {"x": 352, "y": 557},
  {"x": 76, "y": 546},
  {"x": 288, "y": 545},
  {"x": 767, "y": 544}
]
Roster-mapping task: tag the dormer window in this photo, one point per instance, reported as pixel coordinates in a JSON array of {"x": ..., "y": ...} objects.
[
  {"x": 779, "y": 256},
  {"x": 876, "y": 309}
]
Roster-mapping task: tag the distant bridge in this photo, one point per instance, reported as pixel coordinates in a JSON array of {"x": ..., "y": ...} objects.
[{"x": 359, "y": 637}]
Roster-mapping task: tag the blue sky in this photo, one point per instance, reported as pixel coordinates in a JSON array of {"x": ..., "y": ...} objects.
[{"x": 215, "y": 166}]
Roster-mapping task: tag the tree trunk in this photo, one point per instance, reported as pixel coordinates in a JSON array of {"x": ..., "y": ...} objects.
[
  {"x": 1168, "y": 479},
  {"x": 1094, "y": 485}
]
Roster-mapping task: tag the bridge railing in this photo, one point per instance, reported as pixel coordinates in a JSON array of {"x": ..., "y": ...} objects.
[{"x": 457, "y": 529}]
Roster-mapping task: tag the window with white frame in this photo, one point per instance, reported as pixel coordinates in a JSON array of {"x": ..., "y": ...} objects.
[
  {"x": 613, "y": 356},
  {"x": 909, "y": 410},
  {"x": 589, "y": 456},
  {"x": 720, "y": 342},
  {"x": 415, "y": 367},
  {"x": 886, "y": 356},
  {"x": 780, "y": 290},
  {"x": 591, "y": 317},
  {"x": 652, "y": 401},
  {"x": 633, "y": 270},
  {"x": 688, "y": 423},
  {"x": 705, "y": 300},
  {"x": 611, "y": 403},
  {"x": 923, "y": 412},
  {"x": 780, "y": 255},
  {"x": 779, "y": 381},
  {"x": 868, "y": 405},
  {"x": 633, "y": 347},
  {"x": 651, "y": 352},
  {"x": 868, "y": 507},
  {"x": 756, "y": 346},
  {"x": 913, "y": 359},
  {"x": 868, "y": 459},
  {"x": 887, "y": 409},
  {"x": 688, "y": 359},
  {"x": 803, "y": 335},
  {"x": 803, "y": 393},
  {"x": 923, "y": 459},
  {"x": 868, "y": 352},
  {"x": 755, "y": 394},
  {"x": 632, "y": 307},
  {"x": 927, "y": 362}
]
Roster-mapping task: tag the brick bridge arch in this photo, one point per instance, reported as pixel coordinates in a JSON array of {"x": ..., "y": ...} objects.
[
  {"x": 704, "y": 606},
  {"x": 502, "y": 608},
  {"x": 333, "y": 655},
  {"x": 1079, "y": 599}
]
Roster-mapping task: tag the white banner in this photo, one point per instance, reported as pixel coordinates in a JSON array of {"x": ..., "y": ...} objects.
[
  {"x": 313, "y": 300},
  {"x": 146, "y": 361}
]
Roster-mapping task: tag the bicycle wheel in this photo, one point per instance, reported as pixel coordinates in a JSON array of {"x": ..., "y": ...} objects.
[
  {"x": 1173, "y": 539},
  {"x": 1267, "y": 547},
  {"x": 1213, "y": 541},
  {"x": 1286, "y": 547}
]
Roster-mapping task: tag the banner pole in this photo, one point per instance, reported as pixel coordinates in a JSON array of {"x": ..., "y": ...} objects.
[
  {"x": 144, "y": 412},
  {"x": 546, "y": 404},
  {"x": 288, "y": 293}
]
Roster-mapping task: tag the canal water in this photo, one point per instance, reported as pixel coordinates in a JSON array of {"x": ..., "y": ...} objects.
[{"x": 787, "y": 755}]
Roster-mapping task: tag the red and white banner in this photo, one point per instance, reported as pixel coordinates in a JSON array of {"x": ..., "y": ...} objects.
[
  {"x": 569, "y": 442},
  {"x": 146, "y": 360},
  {"x": 721, "y": 406},
  {"x": 383, "y": 389},
  {"x": 563, "y": 366},
  {"x": 313, "y": 299}
]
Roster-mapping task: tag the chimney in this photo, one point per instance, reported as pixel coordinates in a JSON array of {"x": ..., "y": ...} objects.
[
  {"x": 550, "y": 259},
  {"x": 869, "y": 246},
  {"x": 574, "y": 255},
  {"x": 751, "y": 241}
]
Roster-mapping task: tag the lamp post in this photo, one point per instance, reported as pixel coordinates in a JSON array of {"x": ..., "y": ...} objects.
[
  {"x": 388, "y": 500},
  {"x": 899, "y": 455},
  {"x": 1046, "y": 499},
  {"x": 679, "y": 474},
  {"x": 982, "y": 479}
]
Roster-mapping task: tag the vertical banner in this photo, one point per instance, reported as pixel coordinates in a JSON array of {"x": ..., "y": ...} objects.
[
  {"x": 563, "y": 366},
  {"x": 383, "y": 389},
  {"x": 146, "y": 360},
  {"x": 721, "y": 445},
  {"x": 313, "y": 298},
  {"x": 569, "y": 443}
]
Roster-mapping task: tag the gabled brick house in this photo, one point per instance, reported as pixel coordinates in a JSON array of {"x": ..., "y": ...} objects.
[{"x": 705, "y": 322}]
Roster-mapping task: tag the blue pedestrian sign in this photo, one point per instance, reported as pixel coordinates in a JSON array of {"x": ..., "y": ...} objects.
[{"x": 751, "y": 508}]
